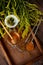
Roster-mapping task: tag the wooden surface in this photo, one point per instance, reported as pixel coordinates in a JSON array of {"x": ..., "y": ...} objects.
[
  {"x": 4, "y": 60},
  {"x": 36, "y": 61},
  {"x": 18, "y": 57}
]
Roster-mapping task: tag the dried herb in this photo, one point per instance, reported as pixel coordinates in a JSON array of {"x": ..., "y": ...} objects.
[{"x": 28, "y": 14}]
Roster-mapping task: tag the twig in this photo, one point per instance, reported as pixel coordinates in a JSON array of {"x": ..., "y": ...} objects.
[
  {"x": 37, "y": 42},
  {"x": 7, "y": 32},
  {"x": 37, "y": 29},
  {"x": 30, "y": 33}
]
